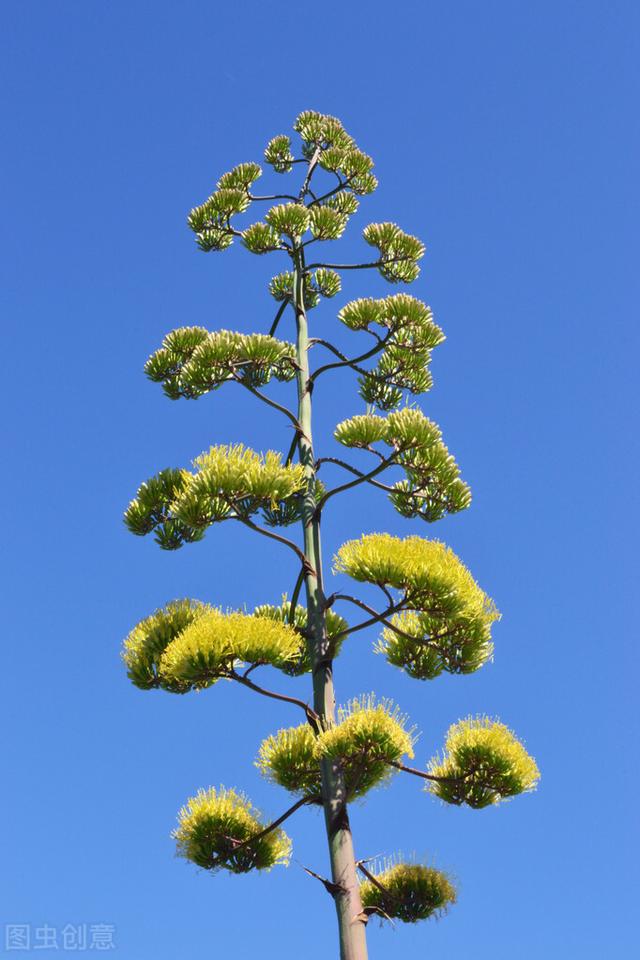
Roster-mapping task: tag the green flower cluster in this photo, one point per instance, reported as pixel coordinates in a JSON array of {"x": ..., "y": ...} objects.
[
  {"x": 213, "y": 830},
  {"x": 325, "y": 221},
  {"x": 290, "y": 219},
  {"x": 228, "y": 481},
  {"x": 192, "y": 361},
  {"x": 399, "y": 313},
  {"x": 368, "y": 737},
  {"x": 399, "y": 251},
  {"x": 337, "y": 151},
  {"x": 432, "y": 487},
  {"x": 319, "y": 283},
  {"x": 278, "y": 154},
  {"x": 240, "y": 177},
  {"x": 408, "y": 892},
  {"x": 153, "y": 510},
  {"x": 261, "y": 238},
  {"x": 483, "y": 763},
  {"x": 325, "y": 138},
  {"x": 211, "y": 221},
  {"x": 404, "y": 362}
]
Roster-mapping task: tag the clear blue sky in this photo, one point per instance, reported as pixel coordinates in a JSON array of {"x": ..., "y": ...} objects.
[{"x": 505, "y": 134}]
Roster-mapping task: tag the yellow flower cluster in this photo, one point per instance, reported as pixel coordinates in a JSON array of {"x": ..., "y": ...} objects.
[
  {"x": 335, "y": 626},
  {"x": 427, "y": 571},
  {"x": 149, "y": 639},
  {"x": 483, "y": 763},
  {"x": 189, "y": 645},
  {"x": 238, "y": 471},
  {"x": 213, "y": 642},
  {"x": 408, "y": 892},
  {"x": 375, "y": 731},
  {"x": 423, "y": 646},
  {"x": 213, "y": 824},
  {"x": 290, "y": 759},
  {"x": 366, "y": 739}
]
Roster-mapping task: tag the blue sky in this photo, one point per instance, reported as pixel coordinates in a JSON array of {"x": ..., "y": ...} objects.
[{"x": 505, "y": 136}]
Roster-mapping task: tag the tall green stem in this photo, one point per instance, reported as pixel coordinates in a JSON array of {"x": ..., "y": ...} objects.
[{"x": 353, "y": 945}]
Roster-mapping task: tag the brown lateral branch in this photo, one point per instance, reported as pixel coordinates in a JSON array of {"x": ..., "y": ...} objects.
[
  {"x": 241, "y": 844},
  {"x": 423, "y": 774},
  {"x": 360, "y": 478},
  {"x": 243, "y": 679},
  {"x": 273, "y": 536},
  {"x": 332, "y": 888}
]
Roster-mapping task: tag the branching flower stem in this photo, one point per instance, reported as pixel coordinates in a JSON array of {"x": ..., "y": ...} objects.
[
  {"x": 293, "y": 448},
  {"x": 273, "y": 196},
  {"x": 423, "y": 774},
  {"x": 360, "y": 478},
  {"x": 313, "y": 163},
  {"x": 347, "y": 466},
  {"x": 267, "y": 830},
  {"x": 273, "y": 536},
  {"x": 344, "y": 360},
  {"x": 356, "y": 266},
  {"x": 266, "y": 495},
  {"x": 283, "y": 306},
  {"x": 341, "y": 186},
  {"x": 387, "y": 594},
  {"x": 296, "y": 594},
  {"x": 271, "y": 403},
  {"x": 375, "y": 615},
  {"x": 241, "y": 678},
  {"x": 359, "y": 473},
  {"x": 417, "y": 493},
  {"x": 374, "y": 880},
  {"x": 389, "y": 461}
]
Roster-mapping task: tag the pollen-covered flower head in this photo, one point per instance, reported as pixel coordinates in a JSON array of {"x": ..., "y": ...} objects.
[
  {"x": 483, "y": 763},
  {"x": 407, "y": 891},
  {"x": 213, "y": 830},
  {"x": 209, "y": 647}
]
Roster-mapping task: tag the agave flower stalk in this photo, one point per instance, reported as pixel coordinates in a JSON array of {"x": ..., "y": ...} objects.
[
  {"x": 342, "y": 857},
  {"x": 432, "y": 615}
]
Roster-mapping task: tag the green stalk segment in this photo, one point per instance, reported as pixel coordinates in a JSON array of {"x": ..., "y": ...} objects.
[{"x": 352, "y": 929}]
